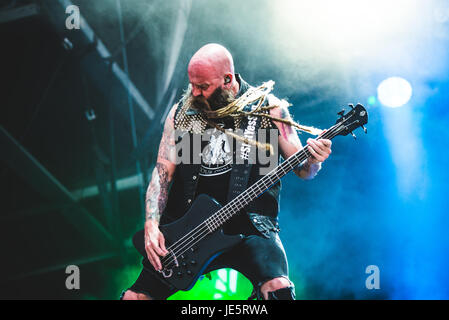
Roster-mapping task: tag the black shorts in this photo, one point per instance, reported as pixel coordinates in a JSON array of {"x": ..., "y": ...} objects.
[{"x": 257, "y": 257}]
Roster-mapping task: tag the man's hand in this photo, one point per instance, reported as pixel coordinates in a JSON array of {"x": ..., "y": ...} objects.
[
  {"x": 154, "y": 243},
  {"x": 319, "y": 149}
]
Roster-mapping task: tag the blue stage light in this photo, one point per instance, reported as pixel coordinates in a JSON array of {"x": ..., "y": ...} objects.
[{"x": 394, "y": 92}]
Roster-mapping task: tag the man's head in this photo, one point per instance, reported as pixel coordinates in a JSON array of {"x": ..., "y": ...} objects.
[{"x": 211, "y": 75}]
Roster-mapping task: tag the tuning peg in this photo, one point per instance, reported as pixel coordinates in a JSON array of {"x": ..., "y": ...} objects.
[
  {"x": 341, "y": 113},
  {"x": 352, "y": 133},
  {"x": 351, "y": 106},
  {"x": 364, "y": 129}
]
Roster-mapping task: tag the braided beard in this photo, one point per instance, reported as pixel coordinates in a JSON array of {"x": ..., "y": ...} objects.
[
  {"x": 219, "y": 98},
  {"x": 217, "y": 106}
]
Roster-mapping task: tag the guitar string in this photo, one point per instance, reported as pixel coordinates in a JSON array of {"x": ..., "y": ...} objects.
[
  {"x": 221, "y": 215},
  {"x": 200, "y": 235}
]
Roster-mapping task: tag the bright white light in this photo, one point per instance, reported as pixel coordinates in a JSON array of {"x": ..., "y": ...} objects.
[
  {"x": 223, "y": 275},
  {"x": 219, "y": 285},
  {"x": 344, "y": 26},
  {"x": 394, "y": 92},
  {"x": 233, "y": 280}
]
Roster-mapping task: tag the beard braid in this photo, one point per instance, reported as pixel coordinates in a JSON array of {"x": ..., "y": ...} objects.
[
  {"x": 208, "y": 107},
  {"x": 220, "y": 98}
]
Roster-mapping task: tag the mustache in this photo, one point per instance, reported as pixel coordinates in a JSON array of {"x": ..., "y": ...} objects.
[
  {"x": 200, "y": 103},
  {"x": 219, "y": 98}
]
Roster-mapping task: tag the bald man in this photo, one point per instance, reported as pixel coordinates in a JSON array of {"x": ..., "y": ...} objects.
[{"x": 260, "y": 256}]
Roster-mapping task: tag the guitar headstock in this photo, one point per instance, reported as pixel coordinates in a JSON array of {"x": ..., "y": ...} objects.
[{"x": 353, "y": 119}]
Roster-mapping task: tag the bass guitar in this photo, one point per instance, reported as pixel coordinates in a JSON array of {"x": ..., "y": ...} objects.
[{"x": 194, "y": 240}]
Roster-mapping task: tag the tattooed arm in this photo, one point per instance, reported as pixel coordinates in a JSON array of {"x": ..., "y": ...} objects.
[
  {"x": 157, "y": 193},
  {"x": 289, "y": 144}
]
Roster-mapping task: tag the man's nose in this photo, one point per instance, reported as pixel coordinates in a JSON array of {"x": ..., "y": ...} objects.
[{"x": 196, "y": 92}]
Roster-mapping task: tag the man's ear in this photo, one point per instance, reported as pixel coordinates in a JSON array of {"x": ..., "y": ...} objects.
[{"x": 228, "y": 79}]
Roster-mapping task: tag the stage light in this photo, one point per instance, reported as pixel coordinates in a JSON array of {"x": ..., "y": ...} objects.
[
  {"x": 372, "y": 100},
  {"x": 394, "y": 92},
  {"x": 225, "y": 284}
]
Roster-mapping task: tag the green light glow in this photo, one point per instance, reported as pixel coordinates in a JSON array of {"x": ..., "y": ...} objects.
[{"x": 225, "y": 284}]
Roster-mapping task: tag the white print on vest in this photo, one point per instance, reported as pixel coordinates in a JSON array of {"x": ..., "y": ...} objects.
[
  {"x": 217, "y": 151},
  {"x": 373, "y": 281},
  {"x": 73, "y": 280},
  {"x": 249, "y": 132},
  {"x": 74, "y": 20}
]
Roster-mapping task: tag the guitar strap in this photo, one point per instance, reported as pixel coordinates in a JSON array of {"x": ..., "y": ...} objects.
[
  {"x": 245, "y": 155},
  {"x": 238, "y": 180}
]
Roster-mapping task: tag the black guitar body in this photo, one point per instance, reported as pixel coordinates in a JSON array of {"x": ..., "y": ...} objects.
[{"x": 190, "y": 259}]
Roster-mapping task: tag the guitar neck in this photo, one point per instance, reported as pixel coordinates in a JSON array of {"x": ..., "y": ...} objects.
[{"x": 263, "y": 184}]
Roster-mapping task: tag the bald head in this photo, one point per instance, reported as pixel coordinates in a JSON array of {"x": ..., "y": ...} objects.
[
  {"x": 210, "y": 67},
  {"x": 213, "y": 59}
]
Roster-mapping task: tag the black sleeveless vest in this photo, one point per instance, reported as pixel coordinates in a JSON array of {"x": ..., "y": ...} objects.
[{"x": 261, "y": 212}]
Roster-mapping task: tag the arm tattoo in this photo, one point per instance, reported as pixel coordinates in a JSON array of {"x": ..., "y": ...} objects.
[
  {"x": 285, "y": 129},
  {"x": 157, "y": 192}
]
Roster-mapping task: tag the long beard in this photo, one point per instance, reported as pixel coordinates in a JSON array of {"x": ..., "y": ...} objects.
[{"x": 220, "y": 98}]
